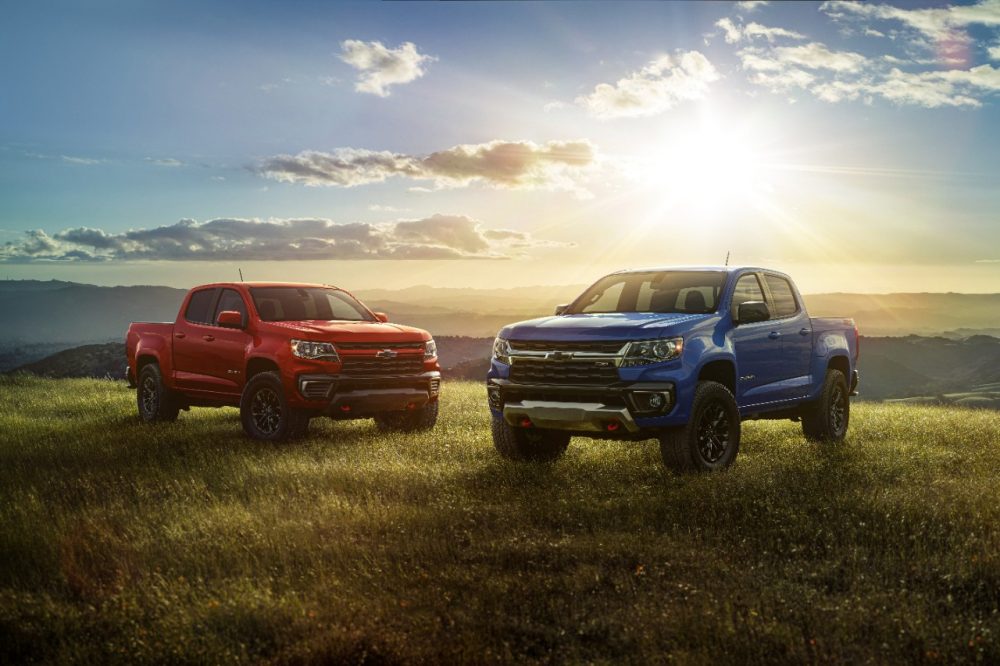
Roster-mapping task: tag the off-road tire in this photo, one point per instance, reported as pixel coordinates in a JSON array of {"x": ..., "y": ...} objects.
[
  {"x": 710, "y": 440},
  {"x": 531, "y": 444},
  {"x": 265, "y": 413},
  {"x": 826, "y": 420},
  {"x": 423, "y": 418},
  {"x": 156, "y": 402}
]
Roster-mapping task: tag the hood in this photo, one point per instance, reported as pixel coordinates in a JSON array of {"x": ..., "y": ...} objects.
[
  {"x": 342, "y": 331},
  {"x": 611, "y": 326}
]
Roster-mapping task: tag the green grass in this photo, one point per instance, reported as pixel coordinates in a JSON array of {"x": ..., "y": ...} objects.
[{"x": 187, "y": 542}]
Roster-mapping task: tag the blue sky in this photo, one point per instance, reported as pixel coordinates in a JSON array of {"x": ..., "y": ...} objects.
[{"x": 504, "y": 143}]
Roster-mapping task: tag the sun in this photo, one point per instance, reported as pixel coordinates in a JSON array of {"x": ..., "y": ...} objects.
[{"x": 706, "y": 166}]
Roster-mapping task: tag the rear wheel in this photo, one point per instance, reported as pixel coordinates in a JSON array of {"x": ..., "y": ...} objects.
[
  {"x": 265, "y": 413},
  {"x": 532, "y": 444},
  {"x": 156, "y": 402},
  {"x": 710, "y": 440},
  {"x": 827, "y": 419},
  {"x": 422, "y": 418}
]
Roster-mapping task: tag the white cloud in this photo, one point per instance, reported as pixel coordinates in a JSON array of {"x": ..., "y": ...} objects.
[
  {"x": 70, "y": 159},
  {"x": 751, "y": 5},
  {"x": 657, "y": 87},
  {"x": 809, "y": 56},
  {"x": 994, "y": 51},
  {"x": 381, "y": 67},
  {"x": 225, "y": 239},
  {"x": 734, "y": 33},
  {"x": 164, "y": 161},
  {"x": 555, "y": 165}
]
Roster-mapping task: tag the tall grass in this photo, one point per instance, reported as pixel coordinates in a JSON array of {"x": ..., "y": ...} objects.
[{"x": 187, "y": 542}]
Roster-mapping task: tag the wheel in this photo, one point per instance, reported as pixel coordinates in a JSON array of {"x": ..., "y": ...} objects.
[
  {"x": 423, "y": 418},
  {"x": 528, "y": 443},
  {"x": 826, "y": 419},
  {"x": 265, "y": 413},
  {"x": 710, "y": 440},
  {"x": 155, "y": 401}
]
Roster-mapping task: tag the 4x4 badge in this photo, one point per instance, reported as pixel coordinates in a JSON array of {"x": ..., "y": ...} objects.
[{"x": 387, "y": 353}]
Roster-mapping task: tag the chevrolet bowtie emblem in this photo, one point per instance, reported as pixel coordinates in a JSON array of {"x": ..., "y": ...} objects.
[
  {"x": 559, "y": 356},
  {"x": 386, "y": 353}
]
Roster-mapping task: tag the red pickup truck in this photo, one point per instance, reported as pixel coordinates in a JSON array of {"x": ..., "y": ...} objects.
[{"x": 284, "y": 353}]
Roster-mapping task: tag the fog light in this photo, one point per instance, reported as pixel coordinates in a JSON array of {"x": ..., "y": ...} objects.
[
  {"x": 652, "y": 401},
  {"x": 656, "y": 401}
]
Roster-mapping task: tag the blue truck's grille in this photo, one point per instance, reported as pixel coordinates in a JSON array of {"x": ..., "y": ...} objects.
[
  {"x": 593, "y": 347},
  {"x": 530, "y": 371}
]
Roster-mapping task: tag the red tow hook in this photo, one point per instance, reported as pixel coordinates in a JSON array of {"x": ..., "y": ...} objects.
[
  {"x": 612, "y": 426},
  {"x": 526, "y": 422}
]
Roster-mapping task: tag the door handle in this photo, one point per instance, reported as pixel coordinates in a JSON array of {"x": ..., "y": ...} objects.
[
  {"x": 803, "y": 331},
  {"x": 208, "y": 338},
  {"x": 774, "y": 335},
  {"x": 179, "y": 335}
]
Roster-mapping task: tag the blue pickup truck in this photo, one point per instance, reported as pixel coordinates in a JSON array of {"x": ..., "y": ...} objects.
[{"x": 682, "y": 355}]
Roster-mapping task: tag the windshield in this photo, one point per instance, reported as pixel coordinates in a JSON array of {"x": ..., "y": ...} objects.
[
  {"x": 302, "y": 303},
  {"x": 690, "y": 292}
]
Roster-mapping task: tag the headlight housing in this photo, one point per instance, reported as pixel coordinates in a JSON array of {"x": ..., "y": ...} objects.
[
  {"x": 645, "y": 352},
  {"x": 317, "y": 351},
  {"x": 501, "y": 350},
  {"x": 430, "y": 349}
]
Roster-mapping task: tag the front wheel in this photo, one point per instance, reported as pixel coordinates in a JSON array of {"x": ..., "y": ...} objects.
[
  {"x": 827, "y": 419},
  {"x": 156, "y": 402},
  {"x": 423, "y": 418},
  {"x": 710, "y": 440},
  {"x": 265, "y": 413},
  {"x": 531, "y": 444}
]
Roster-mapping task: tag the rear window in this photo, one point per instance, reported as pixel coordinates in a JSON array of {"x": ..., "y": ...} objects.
[
  {"x": 199, "y": 309},
  {"x": 783, "y": 298}
]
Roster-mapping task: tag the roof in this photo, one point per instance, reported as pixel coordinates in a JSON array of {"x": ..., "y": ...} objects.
[
  {"x": 725, "y": 269},
  {"x": 266, "y": 284}
]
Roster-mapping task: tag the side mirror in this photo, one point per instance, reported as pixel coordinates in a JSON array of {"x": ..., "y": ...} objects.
[
  {"x": 381, "y": 316},
  {"x": 230, "y": 319},
  {"x": 561, "y": 309},
  {"x": 752, "y": 311}
]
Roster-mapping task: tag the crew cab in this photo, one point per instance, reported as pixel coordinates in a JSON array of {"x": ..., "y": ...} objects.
[
  {"x": 682, "y": 355},
  {"x": 284, "y": 353}
]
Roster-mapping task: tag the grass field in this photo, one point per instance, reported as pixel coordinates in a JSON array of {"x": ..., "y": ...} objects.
[{"x": 189, "y": 543}]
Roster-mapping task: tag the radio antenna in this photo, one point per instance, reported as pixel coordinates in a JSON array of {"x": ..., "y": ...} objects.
[
  {"x": 241, "y": 274},
  {"x": 727, "y": 257}
]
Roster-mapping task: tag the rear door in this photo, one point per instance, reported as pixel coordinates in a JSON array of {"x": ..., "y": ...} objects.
[
  {"x": 758, "y": 351},
  {"x": 192, "y": 371},
  {"x": 791, "y": 322}
]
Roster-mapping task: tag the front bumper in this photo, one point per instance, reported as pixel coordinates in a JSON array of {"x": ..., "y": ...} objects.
[
  {"x": 615, "y": 409},
  {"x": 341, "y": 396}
]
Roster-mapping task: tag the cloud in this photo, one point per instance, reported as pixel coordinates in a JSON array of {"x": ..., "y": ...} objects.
[
  {"x": 165, "y": 161},
  {"x": 808, "y": 56},
  {"x": 734, "y": 33},
  {"x": 994, "y": 51},
  {"x": 945, "y": 27},
  {"x": 555, "y": 165},
  {"x": 751, "y": 5},
  {"x": 229, "y": 239},
  {"x": 657, "y": 87},
  {"x": 80, "y": 160},
  {"x": 381, "y": 67}
]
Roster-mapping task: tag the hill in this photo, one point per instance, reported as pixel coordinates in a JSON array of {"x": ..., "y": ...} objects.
[
  {"x": 65, "y": 312},
  {"x": 123, "y": 543}
]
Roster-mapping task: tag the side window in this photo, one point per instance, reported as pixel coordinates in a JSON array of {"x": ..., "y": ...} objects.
[
  {"x": 199, "y": 309},
  {"x": 230, "y": 300},
  {"x": 784, "y": 304},
  {"x": 747, "y": 289},
  {"x": 607, "y": 301}
]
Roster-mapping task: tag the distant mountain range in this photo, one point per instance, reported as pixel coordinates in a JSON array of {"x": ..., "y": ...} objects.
[
  {"x": 912, "y": 368},
  {"x": 67, "y": 313}
]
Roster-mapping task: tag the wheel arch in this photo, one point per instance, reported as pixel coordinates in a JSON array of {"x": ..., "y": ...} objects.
[
  {"x": 259, "y": 364},
  {"x": 721, "y": 370}
]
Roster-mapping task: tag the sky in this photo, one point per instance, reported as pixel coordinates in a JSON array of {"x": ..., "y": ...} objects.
[{"x": 855, "y": 146}]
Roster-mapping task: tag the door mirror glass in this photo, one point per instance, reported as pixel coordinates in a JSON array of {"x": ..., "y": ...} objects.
[
  {"x": 230, "y": 319},
  {"x": 752, "y": 311}
]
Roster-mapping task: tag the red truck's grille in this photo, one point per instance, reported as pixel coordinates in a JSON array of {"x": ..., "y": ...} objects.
[
  {"x": 417, "y": 344},
  {"x": 530, "y": 371},
  {"x": 371, "y": 366}
]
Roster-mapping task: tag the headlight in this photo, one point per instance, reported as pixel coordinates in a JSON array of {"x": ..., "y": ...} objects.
[
  {"x": 430, "y": 349},
  {"x": 324, "y": 351},
  {"x": 645, "y": 352},
  {"x": 501, "y": 350}
]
